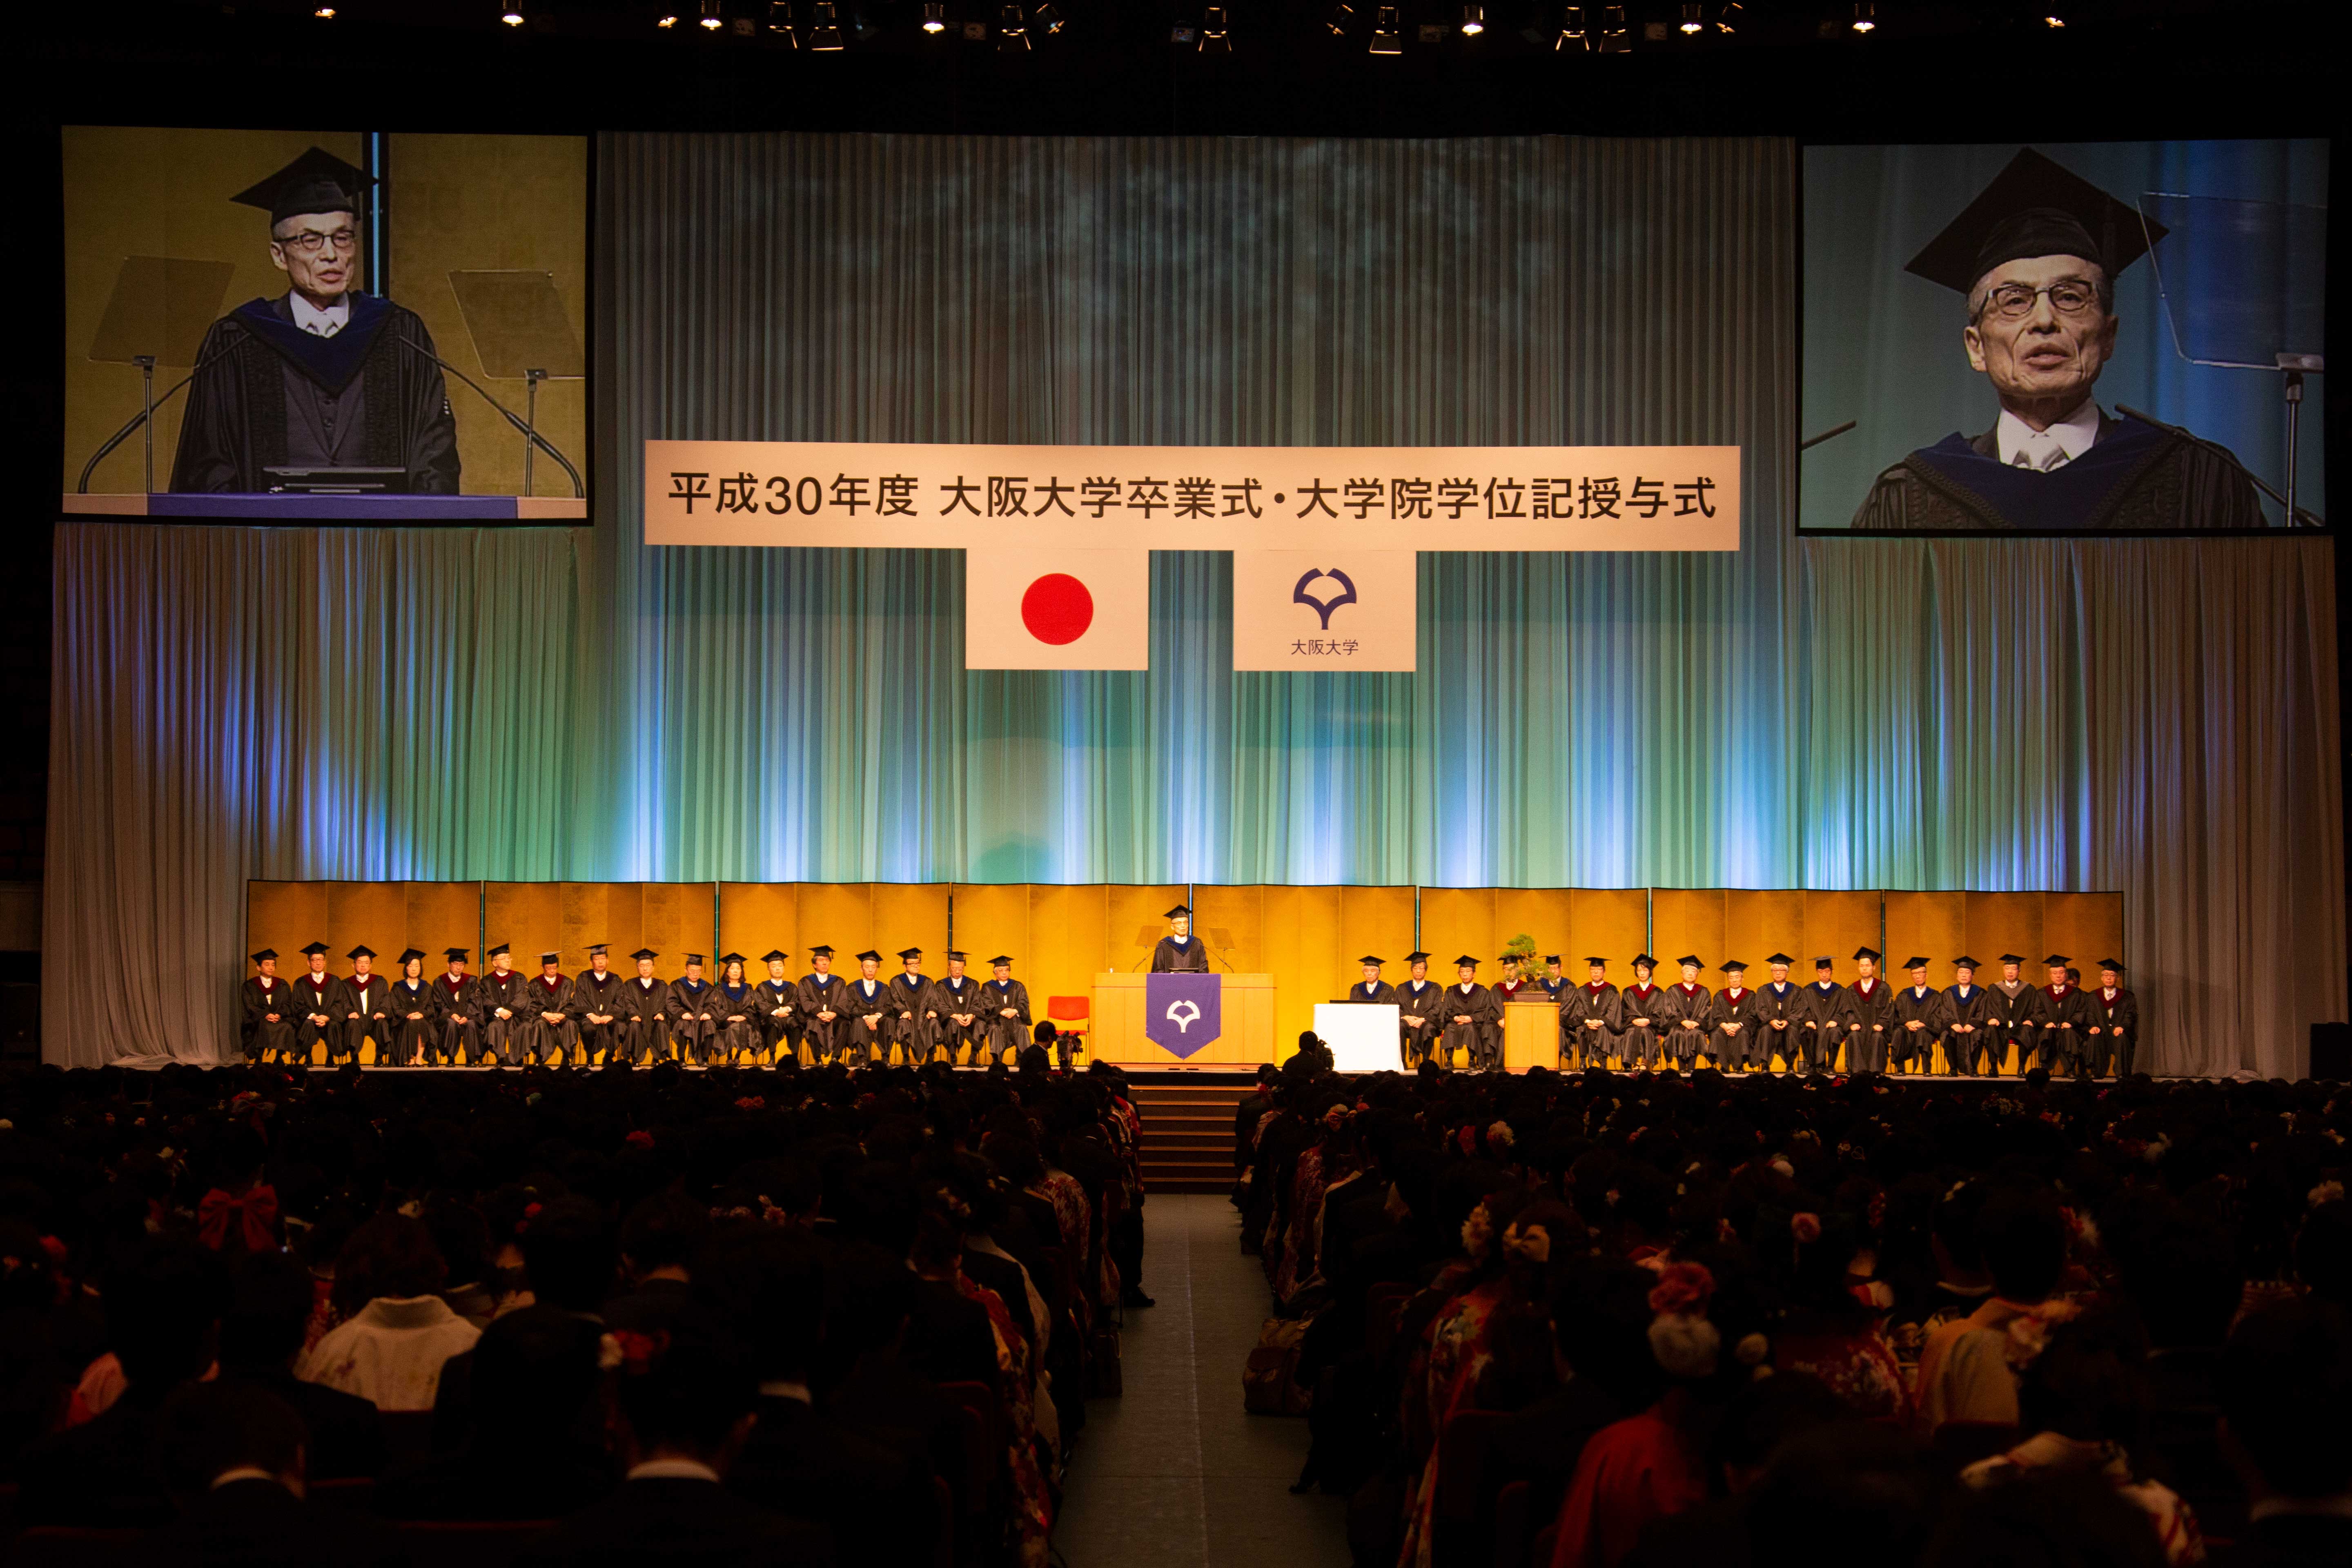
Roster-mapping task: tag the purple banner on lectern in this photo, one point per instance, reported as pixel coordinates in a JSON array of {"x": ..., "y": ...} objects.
[{"x": 1182, "y": 1013}]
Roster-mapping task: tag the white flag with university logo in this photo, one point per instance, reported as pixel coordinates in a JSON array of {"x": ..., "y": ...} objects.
[{"x": 1324, "y": 609}]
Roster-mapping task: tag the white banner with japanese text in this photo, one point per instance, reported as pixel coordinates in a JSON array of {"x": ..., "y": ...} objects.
[{"x": 838, "y": 494}]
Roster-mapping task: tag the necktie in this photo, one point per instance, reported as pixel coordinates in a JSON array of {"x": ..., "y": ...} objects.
[{"x": 2040, "y": 452}]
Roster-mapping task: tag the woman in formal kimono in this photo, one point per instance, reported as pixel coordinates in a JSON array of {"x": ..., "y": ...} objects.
[
  {"x": 268, "y": 1023},
  {"x": 736, "y": 1014},
  {"x": 415, "y": 1013}
]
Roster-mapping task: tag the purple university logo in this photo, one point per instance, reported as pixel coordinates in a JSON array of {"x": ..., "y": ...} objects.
[{"x": 1183, "y": 1012}]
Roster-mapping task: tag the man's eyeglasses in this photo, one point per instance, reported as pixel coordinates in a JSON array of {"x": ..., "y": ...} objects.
[
  {"x": 309, "y": 241},
  {"x": 2014, "y": 302}
]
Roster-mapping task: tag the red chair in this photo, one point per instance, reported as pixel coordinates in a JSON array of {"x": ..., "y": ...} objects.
[{"x": 1070, "y": 1015}]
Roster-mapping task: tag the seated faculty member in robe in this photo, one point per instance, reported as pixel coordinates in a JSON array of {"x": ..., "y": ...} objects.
[
  {"x": 1007, "y": 1001},
  {"x": 597, "y": 994},
  {"x": 2036, "y": 256},
  {"x": 644, "y": 1012},
  {"x": 325, "y": 375},
  {"x": 268, "y": 1021},
  {"x": 458, "y": 997}
]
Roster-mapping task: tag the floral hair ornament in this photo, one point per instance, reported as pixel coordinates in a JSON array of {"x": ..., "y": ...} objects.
[
  {"x": 1683, "y": 1288},
  {"x": 639, "y": 1139},
  {"x": 752, "y": 1103},
  {"x": 529, "y": 1213},
  {"x": 2027, "y": 1335},
  {"x": 1805, "y": 1227},
  {"x": 1684, "y": 1343},
  {"x": 640, "y": 1351}
]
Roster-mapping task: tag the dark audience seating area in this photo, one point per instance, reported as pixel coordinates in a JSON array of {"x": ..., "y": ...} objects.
[
  {"x": 1577, "y": 1323},
  {"x": 259, "y": 1315}
]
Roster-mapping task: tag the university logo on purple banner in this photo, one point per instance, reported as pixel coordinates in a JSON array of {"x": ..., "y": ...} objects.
[{"x": 1183, "y": 1012}]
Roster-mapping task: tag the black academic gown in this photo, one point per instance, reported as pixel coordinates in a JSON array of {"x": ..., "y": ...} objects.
[
  {"x": 255, "y": 1031},
  {"x": 1481, "y": 1039},
  {"x": 825, "y": 993},
  {"x": 1417, "y": 1042},
  {"x": 1377, "y": 994},
  {"x": 459, "y": 1008},
  {"x": 2065, "y": 1029},
  {"x": 1829, "y": 1024},
  {"x": 2133, "y": 477},
  {"x": 1639, "y": 1045},
  {"x": 315, "y": 994},
  {"x": 1006, "y": 1034},
  {"x": 645, "y": 1018},
  {"x": 267, "y": 393},
  {"x": 1968, "y": 1033},
  {"x": 946, "y": 997},
  {"x": 2118, "y": 1018},
  {"x": 1685, "y": 1010},
  {"x": 1874, "y": 1010},
  {"x": 1782, "y": 1003},
  {"x": 501, "y": 1037},
  {"x": 904, "y": 1025},
  {"x": 692, "y": 1011},
  {"x": 370, "y": 998},
  {"x": 737, "y": 1022},
  {"x": 543, "y": 1042},
  {"x": 2015, "y": 1017},
  {"x": 1924, "y": 1006},
  {"x": 412, "y": 1039},
  {"x": 1188, "y": 956},
  {"x": 1589, "y": 1022},
  {"x": 1731, "y": 1017},
  {"x": 600, "y": 994},
  {"x": 863, "y": 1042},
  {"x": 779, "y": 1006}
]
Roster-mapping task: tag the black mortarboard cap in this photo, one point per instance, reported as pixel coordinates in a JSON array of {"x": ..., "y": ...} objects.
[
  {"x": 494, "y": 951},
  {"x": 364, "y": 951},
  {"x": 1003, "y": 958},
  {"x": 1780, "y": 958},
  {"x": 456, "y": 955},
  {"x": 1465, "y": 961},
  {"x": 1597, "y": 960},
  {"x": 821, "y": 950},
  {"x": 1870, "y": 953},
  {"x": 1370, "y": 961},
  {"x": 1693, "y": 960},
  {"x": 694, "y": 959},
  {"x": 774, "y": 955},
  {"x": 603, "y": 947},
  {"x": 2115, "y": 963},
  {"x": 2035, "y": 206},
  {"x": 1644, "y": 960},
  {"x": 2012, "y": 958},
  {"x": 265, "y": 955},
  {"x": 1551, "y": 958},
  {"x": 1416, "y": 956},
  {"x": 2058, "y": 960},
  {"x": 314, "y": 949},
  {"x": 1734, "y": 966},
  {"x": 1819, "y": 963},
  {"x": 730, "y": 958},
  {"x": 869, "y": 956},
  {"x": 644, "y": 953},
  {"x": 1179, "y": 909},
  {"x": 1965, "y": 961},
  {"x": 545, "y": 958},
  {"x": 409, "y": 955},
  {"x": 317, "y": 181},
  {"x": 907, "y": 953},
  {"x": 956, "y": 955},
  {"x": 1914, "y": 963}
]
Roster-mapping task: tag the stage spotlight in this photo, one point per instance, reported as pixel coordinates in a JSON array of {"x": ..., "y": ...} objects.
[
  {"x": 324, "y": 13},
  {"x": 1012, "y": 32},
  {"x": 1339, "y": 19},
  {"x": 1214, "y": 40},
  {"x": 712, "y": 20},
  {"x": 1726, "y": 20},
  {"x": 1386, "y": 39},
  {"x": 510, "y": 15},
  {"x": 666, "y": 19},
  {"x": 1474, "y": 20},
  {"x": 2053, "y": 20},
  {"x": 1692, "y": 23},
  {"x": 1049, "y": 16},
  {"x": 1866, "y": 16},
  {"x": 935, "y": 17}
]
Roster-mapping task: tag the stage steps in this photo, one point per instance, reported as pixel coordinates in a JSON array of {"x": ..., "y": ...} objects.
[{"x": 1188, "y": 1132}]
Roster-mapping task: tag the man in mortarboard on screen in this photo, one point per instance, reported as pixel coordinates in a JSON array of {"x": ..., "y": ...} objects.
[
  {"x": 2036, "y": 256},
  {"x": 324, "y": 376},
  {"x": 1180, "y": 951}
]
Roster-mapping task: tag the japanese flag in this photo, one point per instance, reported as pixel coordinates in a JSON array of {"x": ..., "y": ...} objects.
[{"x": 1047, "y": 608}]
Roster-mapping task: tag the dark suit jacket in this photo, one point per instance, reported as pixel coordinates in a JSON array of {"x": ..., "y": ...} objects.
[
  {"x": 801, "y": 1461},
  {"x": 887, "y": 1401},
  {"x": 106, "y": 1473},
  {"x": 491, "y": 1480},
  {"x": 678, "y": 1520},
  {"x": 260, "y": 1524},
  {"x": 346, "y": 1434}
]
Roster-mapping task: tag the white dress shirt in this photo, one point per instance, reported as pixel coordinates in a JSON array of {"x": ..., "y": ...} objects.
[
  {"x": 326, "y": 323},
  {"x": 2022, "y": 447}
]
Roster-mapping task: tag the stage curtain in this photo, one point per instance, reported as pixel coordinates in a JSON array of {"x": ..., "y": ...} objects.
[
  {"x": 1831, "y": 714},
  {"x": 286, "y": 704}
]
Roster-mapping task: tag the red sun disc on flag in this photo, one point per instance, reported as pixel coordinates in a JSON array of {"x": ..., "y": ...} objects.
[{"x": 1057, "y": 609}]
